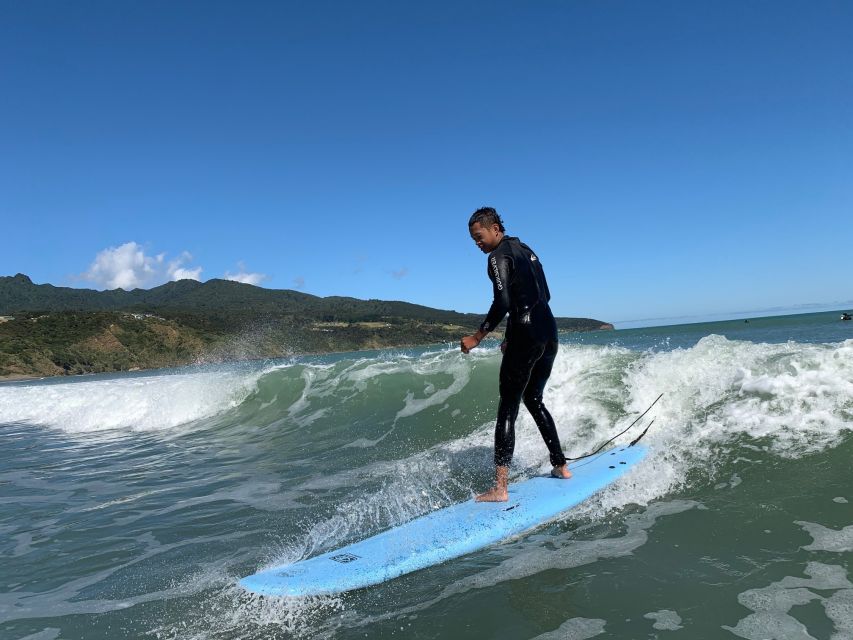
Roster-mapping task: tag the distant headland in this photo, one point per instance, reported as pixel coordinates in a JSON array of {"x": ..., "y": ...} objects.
[{"x": 47, "y": 330}]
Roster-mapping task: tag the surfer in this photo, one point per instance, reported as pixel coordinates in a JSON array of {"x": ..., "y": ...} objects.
[{"x": 530, "y": 346}]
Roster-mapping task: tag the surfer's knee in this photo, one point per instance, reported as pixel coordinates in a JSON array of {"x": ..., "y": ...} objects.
[
  {"x": 533, "y": 401},
  {"x": 511, "y": 390}
]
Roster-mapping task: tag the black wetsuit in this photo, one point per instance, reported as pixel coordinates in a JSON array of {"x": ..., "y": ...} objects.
[{"x": 520, "y": 289}]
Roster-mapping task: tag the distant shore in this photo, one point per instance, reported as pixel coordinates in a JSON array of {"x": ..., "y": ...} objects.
[
  {"x": 21, "y": 377},
  {"x": 15, "y": 377},
  {"x": 48, "y": 331}
]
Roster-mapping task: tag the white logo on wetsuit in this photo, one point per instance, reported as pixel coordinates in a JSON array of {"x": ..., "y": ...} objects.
[
  {"x": 533, "y": 257},
  {"x": 498, "y": 282}
]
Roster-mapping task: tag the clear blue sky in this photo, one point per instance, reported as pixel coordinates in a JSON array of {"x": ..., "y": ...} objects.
[{"x": 663, "y": 158}]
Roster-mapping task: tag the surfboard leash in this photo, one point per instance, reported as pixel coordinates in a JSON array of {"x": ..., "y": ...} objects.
[{"x": 640, "y": 417}]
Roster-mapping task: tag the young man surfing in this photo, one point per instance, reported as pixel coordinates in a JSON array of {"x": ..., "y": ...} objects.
[{"x": 530, "y": 347}]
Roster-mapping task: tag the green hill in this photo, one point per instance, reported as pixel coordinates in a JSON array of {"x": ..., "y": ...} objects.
[{"x": 48, "y": 330}]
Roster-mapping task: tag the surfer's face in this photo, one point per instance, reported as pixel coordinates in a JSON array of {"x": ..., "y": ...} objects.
[{"x": 486, "y": 238}]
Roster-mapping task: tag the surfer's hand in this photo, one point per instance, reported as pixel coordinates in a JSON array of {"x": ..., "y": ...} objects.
[
  {"x": 469, "y": 342},
  {"x": 503, "y": 346}
]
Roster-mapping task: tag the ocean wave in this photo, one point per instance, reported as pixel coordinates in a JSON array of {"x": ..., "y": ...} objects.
[
  {"x": 798, "y": 397},
  {"x": 143, "y": 403},
  {"x": 712, "y": 412}
]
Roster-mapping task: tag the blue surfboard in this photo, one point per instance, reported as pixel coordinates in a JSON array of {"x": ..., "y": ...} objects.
[{"x": 444, "y": 534}]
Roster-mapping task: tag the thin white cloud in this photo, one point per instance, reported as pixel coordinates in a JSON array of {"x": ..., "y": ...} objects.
[
  {"x": 299, "y": 282},
  {"x": 245, "y": 277},
  {"x": 186, "y": 274},
  {"x": 127, "y": 267},
  {"x": 177, "y": 271},
  {"x": 399, "y": 274}
]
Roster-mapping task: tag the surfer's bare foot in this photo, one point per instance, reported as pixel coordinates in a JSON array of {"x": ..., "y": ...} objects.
[
  {"x": 495, "y": 494},
  {"x": 500, "y": 492},
  {"x": 561, "y": 472}
]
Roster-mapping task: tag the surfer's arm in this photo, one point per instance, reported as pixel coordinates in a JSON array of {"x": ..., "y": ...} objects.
[{"x": 500, "y": 271}]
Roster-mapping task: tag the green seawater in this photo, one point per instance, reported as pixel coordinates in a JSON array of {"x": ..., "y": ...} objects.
[{"x": 131, "y": 504}]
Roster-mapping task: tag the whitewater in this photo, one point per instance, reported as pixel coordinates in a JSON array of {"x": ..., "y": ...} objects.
[{"x": 131, "y": 504}]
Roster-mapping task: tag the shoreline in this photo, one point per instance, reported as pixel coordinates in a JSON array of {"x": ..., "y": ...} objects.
[{"x": 18, "y": 377}]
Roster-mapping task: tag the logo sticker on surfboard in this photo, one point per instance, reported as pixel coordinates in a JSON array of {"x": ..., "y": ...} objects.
[{"x": 344, "y": 558}]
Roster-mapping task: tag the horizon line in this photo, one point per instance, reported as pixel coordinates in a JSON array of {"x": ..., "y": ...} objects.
[{"x": 796, "y": 309}]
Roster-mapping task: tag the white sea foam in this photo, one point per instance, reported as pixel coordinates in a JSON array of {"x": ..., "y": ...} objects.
[
  {"x": 322, "y": 381},
  {"x": 839, "y": 609},
  {"x": 50, "y": 633},
  {"x": 575, "y": 629},
  {"x": 229, "y": 611},
  {"x": 141, "y": 403},
  {"x": 771, "y": 605},
  {"x": 412, "y": 487},
  {"x": 665, "y": 620},
  {"x": 826, "y": 539},
  {"x": 799, "y": 395},
  {"x": 458, "y": 369},
  {"x": 710, "y": 400}
]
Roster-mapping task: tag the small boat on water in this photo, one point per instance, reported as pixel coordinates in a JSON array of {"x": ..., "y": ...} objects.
[{"x": 845, "y": 316}]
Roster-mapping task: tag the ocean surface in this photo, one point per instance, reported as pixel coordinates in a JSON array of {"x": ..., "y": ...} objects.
[{"x": 131, "y": 504}]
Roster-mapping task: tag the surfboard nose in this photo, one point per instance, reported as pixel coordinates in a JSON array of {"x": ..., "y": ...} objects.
[{"x": 269, "y": 583}]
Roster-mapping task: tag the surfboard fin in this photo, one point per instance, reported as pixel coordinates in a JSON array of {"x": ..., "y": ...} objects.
[{"x": 640, "y": 437}]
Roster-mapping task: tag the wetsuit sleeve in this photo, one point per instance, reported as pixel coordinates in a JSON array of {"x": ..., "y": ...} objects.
[
  {"x": 500, "y": 271},
  {"x": 540, "y": 275}
]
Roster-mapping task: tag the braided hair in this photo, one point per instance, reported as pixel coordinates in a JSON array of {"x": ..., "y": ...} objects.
[{"x": 486, "y": 217}]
